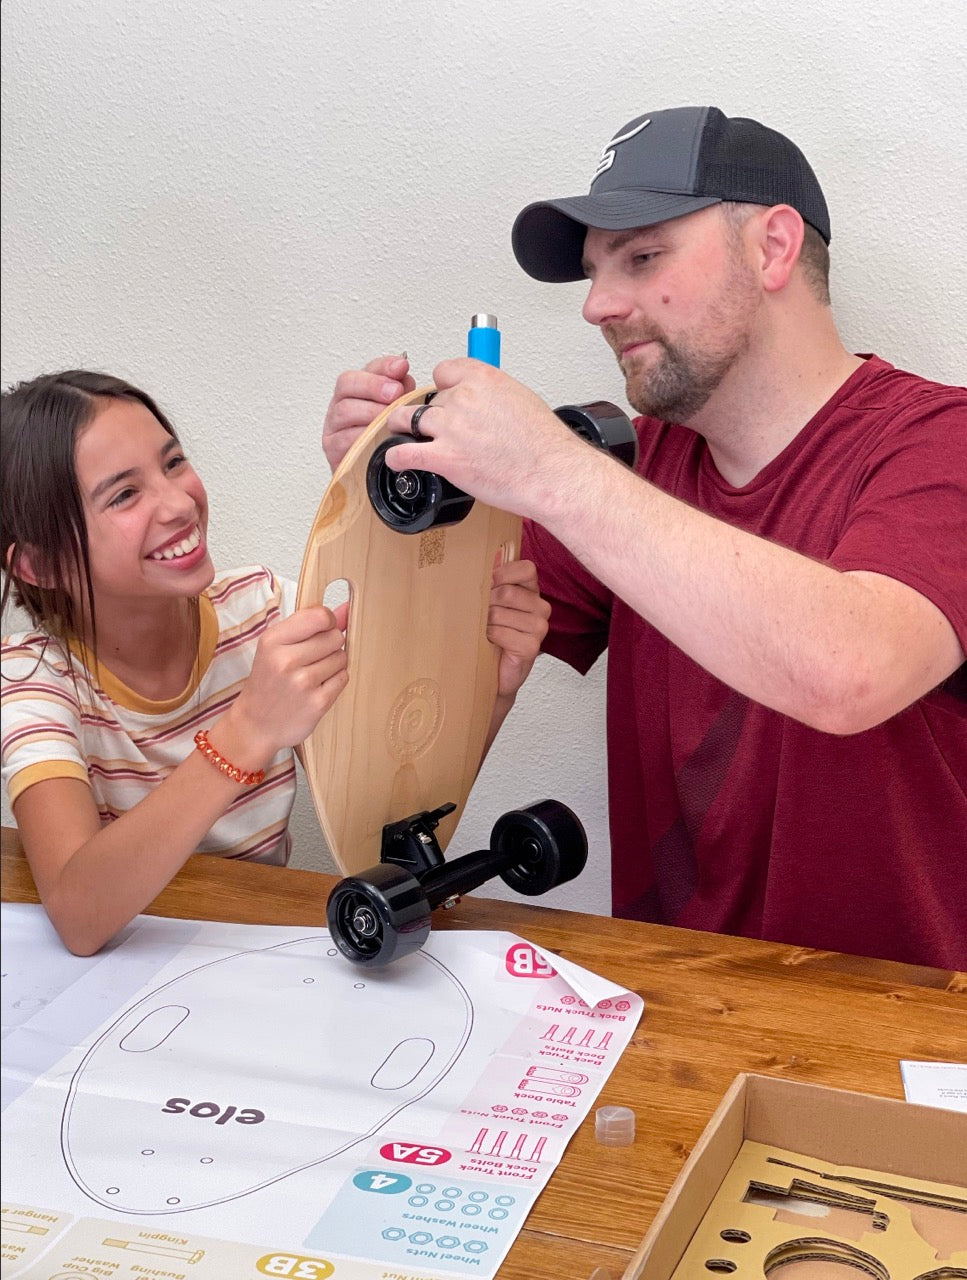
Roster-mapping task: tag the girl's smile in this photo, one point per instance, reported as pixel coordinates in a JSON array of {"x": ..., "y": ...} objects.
[
  {"x": 146, "y": 507},
  {"x": 179, "y": 550}
]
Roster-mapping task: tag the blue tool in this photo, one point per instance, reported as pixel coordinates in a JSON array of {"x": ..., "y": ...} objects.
[{"x": 483, "y": 339}]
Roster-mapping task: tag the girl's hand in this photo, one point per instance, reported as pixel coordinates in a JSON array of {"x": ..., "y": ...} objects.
[
  {"x": 359, "y": 396},
  {"x": 298, "y": 673},
  {"x": 516, "y": 623}
]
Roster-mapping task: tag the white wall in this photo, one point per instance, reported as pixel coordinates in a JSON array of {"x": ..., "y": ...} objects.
[{"x": 228, "y": 202}]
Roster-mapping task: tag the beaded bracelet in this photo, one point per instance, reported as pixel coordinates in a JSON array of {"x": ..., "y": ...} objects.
[{"x": 219, "y": 761}]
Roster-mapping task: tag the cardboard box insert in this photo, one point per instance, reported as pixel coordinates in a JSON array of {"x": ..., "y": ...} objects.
[{"x": 792, "y": 1181}]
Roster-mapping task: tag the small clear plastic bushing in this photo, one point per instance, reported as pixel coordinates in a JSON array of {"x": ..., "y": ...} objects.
[{"x": 614, "y": 1126}]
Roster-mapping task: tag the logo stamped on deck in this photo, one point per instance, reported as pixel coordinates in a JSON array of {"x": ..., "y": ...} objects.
[{"x": 415, "y": 719}]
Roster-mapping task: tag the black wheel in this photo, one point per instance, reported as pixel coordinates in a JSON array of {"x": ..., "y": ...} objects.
[
  {"x": 378, "y": 916},
  {"x": 545, "y": 845},
  {"x": 411, "y": 501},
  {"x": 602, "y": 423}
]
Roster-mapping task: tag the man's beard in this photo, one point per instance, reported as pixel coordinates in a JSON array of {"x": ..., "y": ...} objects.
[{"x": 680, "y": 376}]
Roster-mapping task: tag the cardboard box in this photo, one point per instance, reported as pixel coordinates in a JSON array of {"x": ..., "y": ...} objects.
[{"x": 831, "y": 1127}]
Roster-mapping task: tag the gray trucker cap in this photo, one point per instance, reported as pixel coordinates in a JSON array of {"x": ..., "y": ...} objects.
[{"x": 662, "y": 165}]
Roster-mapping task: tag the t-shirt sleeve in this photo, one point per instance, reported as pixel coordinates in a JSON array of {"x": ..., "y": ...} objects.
[
  {"x": 278, "y": 592},
  {"x": 41, "y": 723},
  {"x": 908, "y": 519},
  {"x": 580, "y": 605},
  {"x": 288, "y": 588}
]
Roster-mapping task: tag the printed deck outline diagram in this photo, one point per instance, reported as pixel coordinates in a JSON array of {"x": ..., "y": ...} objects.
[{"x": 247, "y": 1070}]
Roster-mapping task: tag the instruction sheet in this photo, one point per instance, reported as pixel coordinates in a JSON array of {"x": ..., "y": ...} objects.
[
  {"x": 935, "y": 1084},
  {"x": 203, "y": 1100}
]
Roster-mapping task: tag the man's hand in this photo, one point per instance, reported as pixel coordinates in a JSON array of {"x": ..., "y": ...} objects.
[
  {"x": 359, "y": 395},
  {"x": 492, "y": 437}
]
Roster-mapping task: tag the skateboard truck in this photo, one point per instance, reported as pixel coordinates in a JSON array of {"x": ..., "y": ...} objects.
[
  {"x": 383, "y": 913},
  {"x": 413, "y": 501}
]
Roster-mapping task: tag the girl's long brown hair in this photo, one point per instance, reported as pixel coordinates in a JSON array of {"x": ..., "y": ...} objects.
[{"x": 43, "y": 511}]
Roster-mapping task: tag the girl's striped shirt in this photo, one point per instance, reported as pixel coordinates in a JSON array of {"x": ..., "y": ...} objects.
[{"x": 122, "y": 744}]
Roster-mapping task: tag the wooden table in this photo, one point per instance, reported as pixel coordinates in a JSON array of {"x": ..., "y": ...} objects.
[{"x": 714, "y": 1006}]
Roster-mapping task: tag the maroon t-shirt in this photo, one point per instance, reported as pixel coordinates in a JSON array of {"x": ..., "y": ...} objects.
[{"x": 730, "y": 817}]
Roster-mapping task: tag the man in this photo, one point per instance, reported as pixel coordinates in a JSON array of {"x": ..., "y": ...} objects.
[{"x": 782, "y": 586}]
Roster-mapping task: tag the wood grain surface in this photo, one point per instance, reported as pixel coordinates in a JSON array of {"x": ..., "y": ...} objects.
[
  {"x": 408, "y": 732},
  {"x": 714, "y": 1006}
]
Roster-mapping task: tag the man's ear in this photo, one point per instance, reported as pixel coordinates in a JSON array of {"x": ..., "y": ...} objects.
[
  {"x": 782, "y": 233},
  {"x": 27, "y": 563}
]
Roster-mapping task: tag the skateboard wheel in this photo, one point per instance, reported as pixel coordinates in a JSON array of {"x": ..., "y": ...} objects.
[
  {"x": 412, "y": 501},
  {"x": 545, "y": 843},
  {"x": 602, "y": 423},
  {"x": 378, "y": 916}
]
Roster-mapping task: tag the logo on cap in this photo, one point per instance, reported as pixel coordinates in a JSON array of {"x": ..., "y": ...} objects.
[{"x": 608, "y": 155}]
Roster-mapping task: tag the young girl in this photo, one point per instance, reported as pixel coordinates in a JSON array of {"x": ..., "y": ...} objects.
[
  {"x": 138, "y": 648},
  {"x": 152, "y": 711}
]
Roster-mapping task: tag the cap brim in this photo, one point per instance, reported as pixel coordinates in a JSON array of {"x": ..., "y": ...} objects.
[{"x": 548, "y": 237}]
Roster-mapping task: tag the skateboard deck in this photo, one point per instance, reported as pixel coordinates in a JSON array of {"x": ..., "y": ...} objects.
[{"x": 408, "y": 732}]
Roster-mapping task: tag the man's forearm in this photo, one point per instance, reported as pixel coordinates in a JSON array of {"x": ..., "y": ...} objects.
[{"x": 837, "y": 651}]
